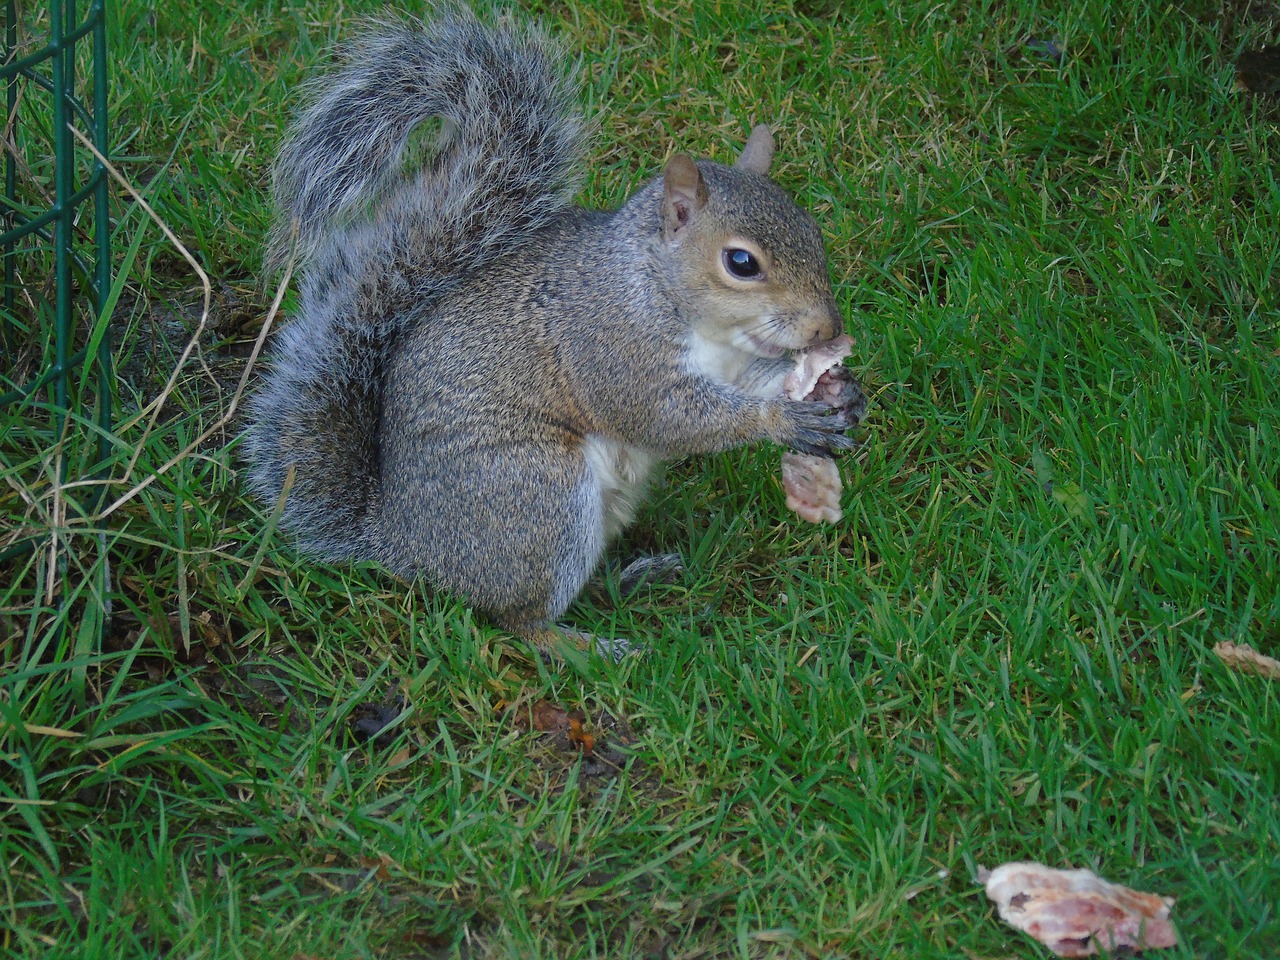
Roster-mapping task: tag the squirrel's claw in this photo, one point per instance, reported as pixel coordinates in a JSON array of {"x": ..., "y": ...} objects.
[
  {"x": 818, "y": 429},
  {"x": 841, "y": 389},
  {"x": 616, "y": 648},
  {"x": 643, "y": 571}
]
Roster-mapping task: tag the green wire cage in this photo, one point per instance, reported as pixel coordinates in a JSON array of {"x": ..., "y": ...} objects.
[{"x": 55, "y": 241}]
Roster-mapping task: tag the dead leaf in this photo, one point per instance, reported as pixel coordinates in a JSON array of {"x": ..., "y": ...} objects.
[
  {"x": 369, "y": 725},
  {"x": 585, "y": 741},
  {"x": 1245, "y": 659},
  {"x": 549, "y": 718},
  {"x": 1072, "y": 912},
  {"x": 380, "y": 865},
  {"x": 400, "y": 757},
  {"x": 546, "y": 717}
]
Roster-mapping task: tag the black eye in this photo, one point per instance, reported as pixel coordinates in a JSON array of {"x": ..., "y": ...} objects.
[{"x": 741, "y": 263}]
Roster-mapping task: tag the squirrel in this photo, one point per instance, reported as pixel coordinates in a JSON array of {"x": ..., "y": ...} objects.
[{"x": 480, "y": 376}]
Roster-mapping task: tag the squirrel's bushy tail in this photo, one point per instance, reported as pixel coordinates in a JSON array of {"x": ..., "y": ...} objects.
[
  {"x": 508, "y": 150},
  {"x": 380, "y": 224}
]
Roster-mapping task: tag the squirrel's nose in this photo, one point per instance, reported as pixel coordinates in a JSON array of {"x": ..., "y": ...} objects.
[{"x": 830, "y": 322}]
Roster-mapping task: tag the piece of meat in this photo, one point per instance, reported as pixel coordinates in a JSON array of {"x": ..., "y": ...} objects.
[
  {"x": 812, "y": 363},
  {"x": 812, "y": 484},
  {"x": 1072, "y": 912}
]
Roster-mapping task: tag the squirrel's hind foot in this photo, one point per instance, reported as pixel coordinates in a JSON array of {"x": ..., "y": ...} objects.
[
  {"x": 647, "y": 571},
  {"x": 550, "y": 639},
  {"x": 616, "y": 648}
]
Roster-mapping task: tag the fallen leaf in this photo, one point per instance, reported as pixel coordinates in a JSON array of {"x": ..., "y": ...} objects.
[
  {"x": 546, "y": 717},
  {"x": 549, "y": 718},
  {"x": 380, "y": 865},
  {"x": 1073, "y": 912},
  {"x": 372, "y": 719},
  {"x": 400, "y": 757},
  {"x": 1242, "y": 657},
  {"x": 585, "y": 741}
]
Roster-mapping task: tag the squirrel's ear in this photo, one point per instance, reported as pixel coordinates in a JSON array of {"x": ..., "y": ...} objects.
[
  {"x": 758, "y": 152},
  {"x": 685, "y": 194}
]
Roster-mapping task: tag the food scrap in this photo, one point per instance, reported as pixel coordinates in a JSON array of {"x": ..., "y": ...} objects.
[
  {"x": 1245, "y": 659},
  {"x": 812, "y": 484},
  {"x": 1074, "y": 912}
]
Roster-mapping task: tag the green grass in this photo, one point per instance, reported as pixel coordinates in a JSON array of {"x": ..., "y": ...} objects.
[{"x": 1062, "y": 280}]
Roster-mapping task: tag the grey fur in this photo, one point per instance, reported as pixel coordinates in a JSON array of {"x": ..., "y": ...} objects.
[
  {"x": 508, "y": 158},
  {"x": 479, "y": 376},
  {"x": 373, "y": 240}
]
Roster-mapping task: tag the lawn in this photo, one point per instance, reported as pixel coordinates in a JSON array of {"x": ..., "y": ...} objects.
[{"x": 1056, "y": 232}]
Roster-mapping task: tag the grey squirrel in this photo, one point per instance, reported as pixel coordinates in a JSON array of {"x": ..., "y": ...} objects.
[{"x": 480, "y": 376}]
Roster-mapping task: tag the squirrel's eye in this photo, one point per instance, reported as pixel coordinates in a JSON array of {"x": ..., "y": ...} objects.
[{"x": 741, "y": 263}]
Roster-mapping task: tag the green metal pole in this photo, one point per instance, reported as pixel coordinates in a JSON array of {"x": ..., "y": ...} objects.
[
  {"x": 102, "y": 222},
  {"x": 63, "y": 68},
  {"x": 10, "y": 161},
  {"x": 57, "y": 224}
]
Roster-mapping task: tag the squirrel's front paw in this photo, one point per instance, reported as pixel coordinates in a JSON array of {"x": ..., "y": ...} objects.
[
  {"x": 815, "y": 428},
  {"x": 838, "y": 387}
]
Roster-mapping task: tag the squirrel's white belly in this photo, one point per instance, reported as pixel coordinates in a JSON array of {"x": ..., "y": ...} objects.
[
  {"x": 716, "y": 359},
  {"x": 622, "y": 472}
]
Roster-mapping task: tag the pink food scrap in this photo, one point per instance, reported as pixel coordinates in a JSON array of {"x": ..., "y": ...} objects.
[
  {"x": 812, "y": 484},
  {"x": 1075, "y": 912}
]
